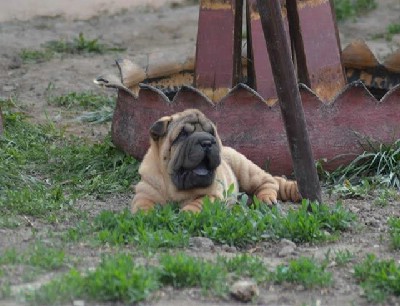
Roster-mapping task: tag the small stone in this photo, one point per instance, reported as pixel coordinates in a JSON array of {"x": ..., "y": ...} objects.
[
  {"x": 201, "y": 243},
  {"x": 78, "y": 303},
  {"x": 8, "y": 88},
  {"x": 244, "y": 290},
  {"x": 228, "y": 248},
  {"x": 374, "y": 223},
  {"x": 286, "y": 251},
  {"x": 16, "y": 62},
  {"x": 285, "y": 242}
]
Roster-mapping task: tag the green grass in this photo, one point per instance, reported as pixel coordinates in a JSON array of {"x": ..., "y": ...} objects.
[
  {"x": 392, "y": 29},
  {"x": 183, "y": 271},
  {"x": 42, "y": 171},
  {"x": 346, "y": 9},
  {"x": 246, "y": 266},
  {"x": 98, "y": 108},
  {"x": 394, "y": 231},
  {"x": 32, "y": 261},
  {"x": 374, "y": 174},
  {"x": 80, "y": 100},
  {"x": 38, "y": 255},
  {"x": 36, "y": 56},
  {"x": 343, "y": 257},
  {"x": 238, "y": 226},
  {"x": 378, "y": 278},
  {"x": 119, "y": 279},
  {"x": 304, "y": 271},
  {"x": 5, "y": 287},
  {"x": 78, "y": 45},
  {"x": 379, "y": 161}
]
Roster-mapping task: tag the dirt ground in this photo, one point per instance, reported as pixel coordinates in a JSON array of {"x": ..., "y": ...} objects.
[{"x": 140, "y": 28}]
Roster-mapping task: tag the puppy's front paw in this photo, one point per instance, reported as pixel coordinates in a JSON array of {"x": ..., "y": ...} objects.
[
  {"x": 191, "y": 208},
  {"x": 268, "y": 196},
  {"x": 141, "y": 205}
]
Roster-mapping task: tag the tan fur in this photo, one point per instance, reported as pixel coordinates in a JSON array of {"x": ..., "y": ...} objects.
[{"x": 156, "y": 185}]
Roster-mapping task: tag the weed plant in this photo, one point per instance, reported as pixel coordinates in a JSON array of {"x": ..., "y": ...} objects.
[
  {"x": 346, "y": 9},
  {"x": 182, "y": 271},
  {"x": 43, "y": 171},
  {"x": 382, "y": 161},
  {"x": 36, "y": 56},
  {"x": 238, "y": 225},
  {"x": 394, "y": 231},
  {"x": 98, "y": 108},
  {"x": 392, "y": 29},
  {"x": 304, "y": 271},
  {"x": 119, "y": 279},
  {"x": 78, "y": 45},
  {"x": 373, "y": 174},
  {"x": 378, "y": 278},
  {"x": 38, "y": 255}
]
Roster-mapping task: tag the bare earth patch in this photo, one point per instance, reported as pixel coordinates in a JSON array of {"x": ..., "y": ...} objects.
[{"x": 137, "y": 29}]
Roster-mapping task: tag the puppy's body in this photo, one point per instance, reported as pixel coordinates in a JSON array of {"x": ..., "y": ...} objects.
[{"x": 186, "y": 162}]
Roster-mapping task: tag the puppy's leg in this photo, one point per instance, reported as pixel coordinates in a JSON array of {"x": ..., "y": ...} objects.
[
  {"x": 288, "y": 190},
  {"x": 145, "y": 198},
  {"x": 195, "y": 205},
  {"x": 252, "y": 179},
  {"x": 141, "y": 203}
]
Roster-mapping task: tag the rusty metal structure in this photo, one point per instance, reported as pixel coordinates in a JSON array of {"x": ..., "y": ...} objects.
[{"x": 236, "y": 89}]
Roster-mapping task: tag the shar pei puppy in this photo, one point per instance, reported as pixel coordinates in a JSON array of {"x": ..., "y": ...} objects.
[{"x": 186, "y": 161}]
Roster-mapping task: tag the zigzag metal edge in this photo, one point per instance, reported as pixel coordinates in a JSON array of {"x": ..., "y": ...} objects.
[
  {"x": 256, "y": 129},
  {"x": 243, "y": 87}
]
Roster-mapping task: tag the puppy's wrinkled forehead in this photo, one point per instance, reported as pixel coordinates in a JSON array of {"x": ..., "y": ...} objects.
[{"x": 192, "y": 122}]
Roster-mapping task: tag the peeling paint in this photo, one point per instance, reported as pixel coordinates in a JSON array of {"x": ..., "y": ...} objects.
[
  {"x": 301, "y": 4},
  {"x": 216, "y": 4}
]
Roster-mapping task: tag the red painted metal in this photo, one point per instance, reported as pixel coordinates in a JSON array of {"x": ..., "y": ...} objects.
[
  {"x": 247, "y": 124},
  {"x": 321, "y": 47},
  {"x": 218, "y": 54},
  {"x": 244, "y": 119},
  {"x": 317, "y": 28}
]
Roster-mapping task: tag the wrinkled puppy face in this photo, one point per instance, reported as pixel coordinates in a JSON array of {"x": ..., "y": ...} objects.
[{"x": 189, "y": 147}]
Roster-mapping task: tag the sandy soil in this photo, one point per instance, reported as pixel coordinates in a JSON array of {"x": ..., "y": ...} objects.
[{"x": 138, "y": 28}]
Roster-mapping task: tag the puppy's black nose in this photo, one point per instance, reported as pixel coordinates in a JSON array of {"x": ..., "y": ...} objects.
[{"x": 206, "y": 143}]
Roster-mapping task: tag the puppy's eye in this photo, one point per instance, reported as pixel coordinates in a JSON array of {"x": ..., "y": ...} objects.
[{"x": 182, "y": 135}]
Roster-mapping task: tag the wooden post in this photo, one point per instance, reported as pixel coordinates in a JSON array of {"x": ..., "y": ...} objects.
[{"x": 289, "y": 99}]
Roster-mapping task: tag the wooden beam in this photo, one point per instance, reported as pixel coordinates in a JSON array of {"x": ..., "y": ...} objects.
[{"x": 289, "y": 99}]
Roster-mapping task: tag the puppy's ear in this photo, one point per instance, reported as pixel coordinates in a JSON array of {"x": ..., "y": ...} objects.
[{"x": 159, "y": 128}]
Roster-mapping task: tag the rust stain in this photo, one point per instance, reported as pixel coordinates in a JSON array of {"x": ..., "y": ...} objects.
[
  {"x": 272, "y": 101},
  {"x": 301, "y": 4},
  {"x": 216, "y": 4},
  {"x": 214, "y": 95},
  {"x": 392, "y": 62},
  {"x": 173, "y": 81},
  {"x": 254, "y": 14},
  {"x": 358, "y": 55},
  {"x": 327, "y": 83},
  {"x": 349, "y": 73},
  {"x": 366, "y": 78}
]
